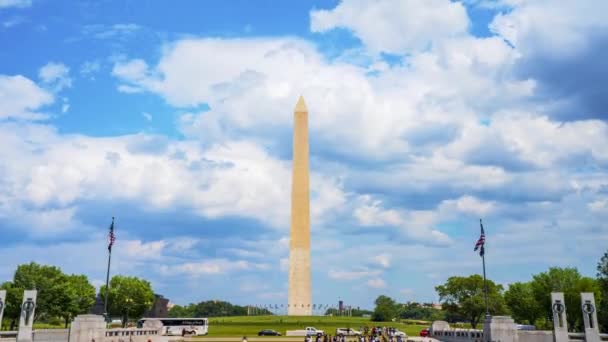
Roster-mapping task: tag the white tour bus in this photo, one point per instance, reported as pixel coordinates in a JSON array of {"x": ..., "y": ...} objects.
[{"x": 177, "y": 326}]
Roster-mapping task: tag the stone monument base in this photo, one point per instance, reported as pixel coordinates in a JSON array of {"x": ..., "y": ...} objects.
[
  {"x": 88, "y": 328},
  {"x": 499, "y": 329}
]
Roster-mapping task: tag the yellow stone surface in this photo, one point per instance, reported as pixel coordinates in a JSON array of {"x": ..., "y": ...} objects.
[{"x": 300, "y": 302}]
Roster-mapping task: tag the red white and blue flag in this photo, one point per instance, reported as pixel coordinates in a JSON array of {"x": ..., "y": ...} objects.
[
  {"x": 481, "y": 241},
  {"x": 111, "y": 236}
]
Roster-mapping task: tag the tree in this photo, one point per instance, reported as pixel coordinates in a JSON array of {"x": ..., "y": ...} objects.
[
  {"x": 182, "y": 311},
  {"x": 602, "y": 278},
  {"x": 81, "y": 294},
  {"x": 355, "y": 312},
  {"x": 522, "y": 304},
  {"x": 218, "y": 308},
  {"x": 419, "y": 311},
  {"x": 50, "y": 283},
  {"x": 463, "y": 296},
  {"x": 571, "y": 283},
  {"x": 14, "y": 297},
  {"x": 385, "y": 310},
  {"x": 128, "y": 297}
]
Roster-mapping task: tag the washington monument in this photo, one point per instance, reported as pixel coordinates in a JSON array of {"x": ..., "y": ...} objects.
[{"x": 300, "y": 303}]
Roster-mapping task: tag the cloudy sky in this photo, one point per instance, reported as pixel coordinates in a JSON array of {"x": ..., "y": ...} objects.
[{"x": 425, "y": 115}]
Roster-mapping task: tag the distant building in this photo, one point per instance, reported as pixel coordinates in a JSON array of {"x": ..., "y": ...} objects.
[{"x": 160, "y": 307}]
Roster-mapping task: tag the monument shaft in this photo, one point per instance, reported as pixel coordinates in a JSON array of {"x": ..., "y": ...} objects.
[{"x": 300, "y": 303}]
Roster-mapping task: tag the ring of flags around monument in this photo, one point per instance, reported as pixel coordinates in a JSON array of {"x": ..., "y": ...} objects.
[{"x": 257, "y": 309}]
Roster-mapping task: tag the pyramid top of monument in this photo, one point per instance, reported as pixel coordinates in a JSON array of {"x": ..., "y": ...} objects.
[{"x": 301, "y": 105}]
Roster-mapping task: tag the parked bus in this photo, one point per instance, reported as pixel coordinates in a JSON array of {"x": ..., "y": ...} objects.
[{"x": 177, "y": 326}]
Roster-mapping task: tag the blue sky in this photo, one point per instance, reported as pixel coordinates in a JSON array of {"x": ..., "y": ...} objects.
[{"x": 425, "y": 115}]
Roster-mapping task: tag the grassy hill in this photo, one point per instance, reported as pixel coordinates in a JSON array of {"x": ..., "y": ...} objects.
[{"x": 250, "y": 325}]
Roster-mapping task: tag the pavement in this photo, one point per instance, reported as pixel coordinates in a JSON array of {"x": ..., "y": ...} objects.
[
  {"x": 279, "y": 339},
  {"x": 249, "y": 339}
]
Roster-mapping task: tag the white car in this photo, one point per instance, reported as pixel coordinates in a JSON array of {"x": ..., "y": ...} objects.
[
  {"x": 310, "y": 331},
  {"x": 347, "y": 332},
  {"x": 399, "y": 333}
]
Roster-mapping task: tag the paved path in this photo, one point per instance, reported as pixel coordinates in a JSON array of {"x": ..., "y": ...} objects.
[
  {"x": 281, "y": 339},
  {"x": 250, "y": 339}
]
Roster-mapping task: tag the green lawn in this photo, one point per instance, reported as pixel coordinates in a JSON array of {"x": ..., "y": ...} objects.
[{"x": 250, "y": 325}]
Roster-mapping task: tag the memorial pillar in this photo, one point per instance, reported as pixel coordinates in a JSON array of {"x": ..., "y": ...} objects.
[
  {"x": 560, "y": 324},
  {"x": 592, "y": 330},
  {"x": 26, "y": 319},
  {"x": 2, "y": 304}
]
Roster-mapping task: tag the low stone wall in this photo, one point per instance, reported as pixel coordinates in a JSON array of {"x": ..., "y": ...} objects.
[
  {"x": 441, "y": 331},
  {"x": 534, "y": 336},
  {"x": 458, "y": 335},
  {"x": 134, "y": 335},
  {"x": 50, "y": 335}
]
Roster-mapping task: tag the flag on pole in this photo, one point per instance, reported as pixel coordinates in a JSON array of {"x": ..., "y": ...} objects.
[
  {"x": 111, "y": 236},
  {"x": 481, "y": 241}
]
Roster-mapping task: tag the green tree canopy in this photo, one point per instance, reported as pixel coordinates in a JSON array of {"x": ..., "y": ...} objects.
[
  {"x": 522, "y": 303},
  {"x": 212, "y": 308},
  {"x": 182, "y": 311},
  {"x": 354, "y": 312},
  {"x": 14, "y": 297},
  {"x": 59, "y": 295},
  {"x": 571, "y": 283},
  {"x": 128, "y": 297},
  {"x": 50, "y": 283},
  {"x": 81, "y": 294},
  {"x": 463, "y": 296},
  {"x": 385, "y": 310},
  {"x": 419, "y": 311}
]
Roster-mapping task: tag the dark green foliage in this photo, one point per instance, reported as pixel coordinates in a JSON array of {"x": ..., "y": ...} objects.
[
  {"x": 212, "y": 308},
  {"x": 386, "y": 309},
  {"x": 353, "y": 312},
  {"x": 60, "y": 296},
  {"x": 571, "y": 283},
  {"x": 522, "y": 303},
  {"x": 463, "y": 297},
  {"x": 420, "y": 311},
  {"x": 602, "y": 278},
  {"x": 81, "y": 297},
  {"x": 129, "y": 297},
  {"x": 51, "y": 285},
  {"x": 14, "y": 296}
]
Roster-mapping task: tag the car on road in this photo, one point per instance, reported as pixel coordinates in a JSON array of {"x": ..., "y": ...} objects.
[
  {"x": 268, "y": 332},
  {"x": 424, "y": 332},
  {"x": 347, "y": 332},
  {"x": 309, "y": 331}
]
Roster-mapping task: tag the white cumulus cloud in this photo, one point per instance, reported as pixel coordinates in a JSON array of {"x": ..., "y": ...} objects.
[
  {"x": 21, "y": 98},
  {"x": 55, "y": 75},
  {"x": 395, "y": 26}
]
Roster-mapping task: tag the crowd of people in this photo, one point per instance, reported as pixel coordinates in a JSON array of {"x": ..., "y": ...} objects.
[{"x": 373, "y": 334}]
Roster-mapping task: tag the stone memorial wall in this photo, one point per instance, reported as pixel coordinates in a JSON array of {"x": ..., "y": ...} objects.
[
  {"x": 84, "y": 328},
  {"x": 504, "y": 329}
]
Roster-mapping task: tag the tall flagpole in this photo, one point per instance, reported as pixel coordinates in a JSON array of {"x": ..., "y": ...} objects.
[
  {"x": 483, "y": 260},
  {"x": 110, "y": 243}
]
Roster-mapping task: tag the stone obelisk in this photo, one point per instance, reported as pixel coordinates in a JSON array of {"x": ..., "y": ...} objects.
[{"x": 300, "y": 303}]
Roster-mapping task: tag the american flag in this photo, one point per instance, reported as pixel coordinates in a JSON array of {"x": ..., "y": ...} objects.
[
  {"x": 111, "y": 236},
  {"x": 481, "y": 241}
]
